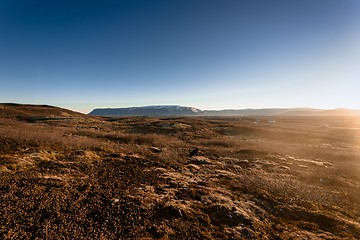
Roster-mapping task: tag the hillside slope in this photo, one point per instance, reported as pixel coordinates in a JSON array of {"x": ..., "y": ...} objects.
[{"x": 29, "y": 111}]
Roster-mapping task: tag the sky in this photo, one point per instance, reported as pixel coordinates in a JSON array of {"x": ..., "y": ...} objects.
[{"x": 209, "y": 54}]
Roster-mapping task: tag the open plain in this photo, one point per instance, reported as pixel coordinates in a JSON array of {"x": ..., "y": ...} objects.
[{"x": 65, "y": 175}]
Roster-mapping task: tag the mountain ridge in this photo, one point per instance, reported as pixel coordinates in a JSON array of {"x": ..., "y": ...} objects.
[
  {"x": 48, "y": 111},
  {"x": 157, "y": 110},
  {"x": 177, "y": 110}
]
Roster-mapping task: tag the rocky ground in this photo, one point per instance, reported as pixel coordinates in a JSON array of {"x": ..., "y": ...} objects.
[{"x": 70, "y": 176}]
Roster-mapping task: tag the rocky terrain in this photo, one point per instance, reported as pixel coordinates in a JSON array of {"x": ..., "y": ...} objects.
[{"x": 65, "y": 175}]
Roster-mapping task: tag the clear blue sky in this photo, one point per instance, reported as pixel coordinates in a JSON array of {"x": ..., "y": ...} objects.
[{"x": 82, "y": 54}]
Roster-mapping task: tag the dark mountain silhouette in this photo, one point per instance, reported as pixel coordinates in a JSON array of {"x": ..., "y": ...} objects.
[
  {"x": 176, "y": 110},
  {"x": 165, "y": 110}
]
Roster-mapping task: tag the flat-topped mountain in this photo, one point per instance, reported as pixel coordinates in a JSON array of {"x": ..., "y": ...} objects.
[
  {"x": 163, "y": 110},
  {"x": 175, "y": 110}
]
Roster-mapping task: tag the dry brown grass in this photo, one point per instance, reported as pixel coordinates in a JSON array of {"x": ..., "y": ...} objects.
[
  {"x": 135, "y": 178},
  {"x": 55, "y": 137}
]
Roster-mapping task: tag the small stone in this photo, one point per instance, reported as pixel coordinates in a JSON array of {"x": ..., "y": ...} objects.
[{"x": 155, "y": 149}]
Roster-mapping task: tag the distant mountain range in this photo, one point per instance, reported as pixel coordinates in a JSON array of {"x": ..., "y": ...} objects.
[
  {"x": 31, "y": 112},
  {"x": 176, "y": 110}
]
